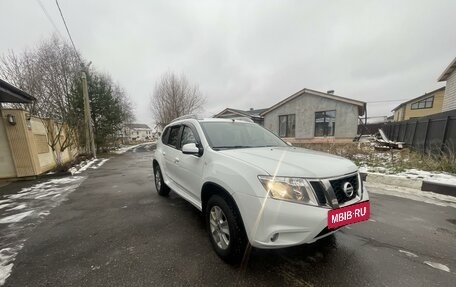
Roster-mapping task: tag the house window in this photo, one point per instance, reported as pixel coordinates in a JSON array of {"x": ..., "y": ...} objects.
[
  {"x": 325, "y": 123},
  {"x": 423, "y": 104},
  {"x": 287, "y": 126}
]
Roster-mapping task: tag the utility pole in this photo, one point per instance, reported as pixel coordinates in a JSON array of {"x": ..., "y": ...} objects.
[{"x": 90, "y": 143}]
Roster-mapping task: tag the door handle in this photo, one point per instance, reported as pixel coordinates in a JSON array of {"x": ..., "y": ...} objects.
[{"x": 176, "y": 160}]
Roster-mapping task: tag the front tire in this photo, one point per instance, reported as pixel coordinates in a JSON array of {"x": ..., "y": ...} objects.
[
  {"x": 160, "y": 186},
  {"x": 225, "y": 229}
]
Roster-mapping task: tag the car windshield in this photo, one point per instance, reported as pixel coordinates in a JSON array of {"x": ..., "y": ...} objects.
[{"x": 229, "y": 135}]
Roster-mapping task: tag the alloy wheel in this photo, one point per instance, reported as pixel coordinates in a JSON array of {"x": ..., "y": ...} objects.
[
  {"x": 219, "y": 227},
  {"x": 158, "y": 179}
]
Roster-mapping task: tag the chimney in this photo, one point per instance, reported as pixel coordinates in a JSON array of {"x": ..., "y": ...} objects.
[
  {"x": 331, "y": 92},
  {"x": 251, "y": 109}
]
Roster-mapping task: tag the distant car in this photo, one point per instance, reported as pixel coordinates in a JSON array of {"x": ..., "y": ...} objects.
[{"x": 255, "y": 188}]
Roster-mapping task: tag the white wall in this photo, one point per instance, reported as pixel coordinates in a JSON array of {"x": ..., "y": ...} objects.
[{"x": 449, "y": 101}]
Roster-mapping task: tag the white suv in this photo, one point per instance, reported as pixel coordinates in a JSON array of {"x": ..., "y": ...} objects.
[{"x": 255, "y": 188}]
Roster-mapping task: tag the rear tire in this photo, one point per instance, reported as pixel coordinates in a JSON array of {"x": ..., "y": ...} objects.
[
  {"x": 225, "y": 229},
  {"x": 160, "y": 186}
]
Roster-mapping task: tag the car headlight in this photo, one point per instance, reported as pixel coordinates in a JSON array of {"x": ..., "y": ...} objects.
[{"x": 289, "y": 188}]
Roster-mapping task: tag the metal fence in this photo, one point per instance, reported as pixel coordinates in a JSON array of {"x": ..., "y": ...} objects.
[{"x": 433, "y": 134}]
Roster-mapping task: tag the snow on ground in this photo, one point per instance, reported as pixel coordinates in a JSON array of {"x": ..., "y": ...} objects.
[
  {"x": 413, "y": 194},
  {"x": 124, "y": 149},
  {"x": 438, "y": 177},
  {"x": 22, "y": 211},
  {"x": 414, "y": 174},
  {"x": 93, "y": 163}
]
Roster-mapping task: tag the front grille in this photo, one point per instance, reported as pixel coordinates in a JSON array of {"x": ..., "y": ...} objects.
[
  {"x": 338, "y": 187},
  {"x": 319, "y": 192}
]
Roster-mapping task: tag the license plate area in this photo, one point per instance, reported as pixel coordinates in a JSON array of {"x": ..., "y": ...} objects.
[{"x": 348, "y": 214}]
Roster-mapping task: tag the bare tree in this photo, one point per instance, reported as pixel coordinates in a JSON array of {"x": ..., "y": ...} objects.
[
  {"x": 173, "y": 97},
  {"x": 47, "y": 73}
]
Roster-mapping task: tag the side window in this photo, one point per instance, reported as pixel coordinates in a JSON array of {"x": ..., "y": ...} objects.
[
  {"x": 164, "y": 137},
  {"x": 173, "y": 136},
  {"x": 187, "y": 136}
]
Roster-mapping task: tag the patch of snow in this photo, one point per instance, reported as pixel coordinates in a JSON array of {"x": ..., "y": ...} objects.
[
  {"x": 19, "y": 207},
  {"x": 5, "y": 205},
  {"x": 438, "y": 177},
  {"x": 7, "y": 256},
  {"x": 363, "y": 169},
  {"x": 15, "y": 217},
  {"x": 27, "y": 208},
  {"x": 437, "y": 266},
  {"x": 94, "y": 163},
  {"x": 413, "y": 194},
  {"x": 125, "y": 149},
  {"x": 100, "y": 163},
  {"x": 86, "y": 165},
  {"x": 44, "y": 213},
  {"x": 408, "y": 253},
  {"x": 5, "y": 271}
]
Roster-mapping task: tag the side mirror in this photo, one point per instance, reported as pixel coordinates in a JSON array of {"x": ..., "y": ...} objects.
[
  {"x": 289, "y": 143},
  {"x": 191, "y": 148}
]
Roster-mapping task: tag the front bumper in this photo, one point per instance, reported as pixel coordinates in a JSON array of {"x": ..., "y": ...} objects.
[{"x": 272, "y": 223}]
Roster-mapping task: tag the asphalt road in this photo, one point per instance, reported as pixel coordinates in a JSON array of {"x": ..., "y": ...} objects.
[{"x": 114, "y": 230}]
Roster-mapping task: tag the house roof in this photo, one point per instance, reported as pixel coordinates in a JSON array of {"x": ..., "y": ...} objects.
[
  {"x": 361, "y": 105},
  {"x": 11, "y": 94},
  {"x": 448, "y": 71},
  {"x": 137, "y": 126},
  {"x": 249, "y": 113},
  {"x": 418, "y": 98}
]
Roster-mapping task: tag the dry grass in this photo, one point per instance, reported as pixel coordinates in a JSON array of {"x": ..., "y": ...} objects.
[{"x": 392, "y": 161}]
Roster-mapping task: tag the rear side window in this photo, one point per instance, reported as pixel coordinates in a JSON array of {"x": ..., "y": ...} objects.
[{"x": 173, "y": 136}]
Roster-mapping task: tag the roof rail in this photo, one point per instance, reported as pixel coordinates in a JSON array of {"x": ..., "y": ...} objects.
[
  {"x": 242, "y": 119},
  {"x": 193, "y": 116}
]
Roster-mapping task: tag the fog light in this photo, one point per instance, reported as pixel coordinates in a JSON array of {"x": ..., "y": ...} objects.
[{"x": 274, "y": 237}]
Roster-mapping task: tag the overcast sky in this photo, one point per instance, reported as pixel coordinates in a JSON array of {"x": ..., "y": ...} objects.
[{"x": 252, "y": 53}]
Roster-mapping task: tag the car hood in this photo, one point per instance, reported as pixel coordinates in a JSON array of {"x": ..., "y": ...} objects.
[{"x": 292, "y": 161}]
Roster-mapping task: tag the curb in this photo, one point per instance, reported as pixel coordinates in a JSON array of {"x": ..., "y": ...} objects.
[
  {"x": 442, "y": 188},
  {"x": 394, "y": 180},
  {"x": 421, "y": 185}
]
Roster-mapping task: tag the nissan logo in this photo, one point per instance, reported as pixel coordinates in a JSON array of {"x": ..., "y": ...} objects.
[{"x": 348, "y": 189}]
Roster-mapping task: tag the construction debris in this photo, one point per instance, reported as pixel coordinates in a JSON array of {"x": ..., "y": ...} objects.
[{"x": 383, "y": 143}]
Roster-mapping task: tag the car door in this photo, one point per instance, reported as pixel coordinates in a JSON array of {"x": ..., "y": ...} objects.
[
  {"x": 171, "y": 151},
  {"x": 190, "y": 167}
]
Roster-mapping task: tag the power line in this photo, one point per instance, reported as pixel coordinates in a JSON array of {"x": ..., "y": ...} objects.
[
  {"x": 68, "y": 31},
  {"x": 49, "y": 18}
]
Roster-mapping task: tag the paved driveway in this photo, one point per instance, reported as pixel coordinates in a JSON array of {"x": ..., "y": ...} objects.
[{"x": 114, "y": 230}]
